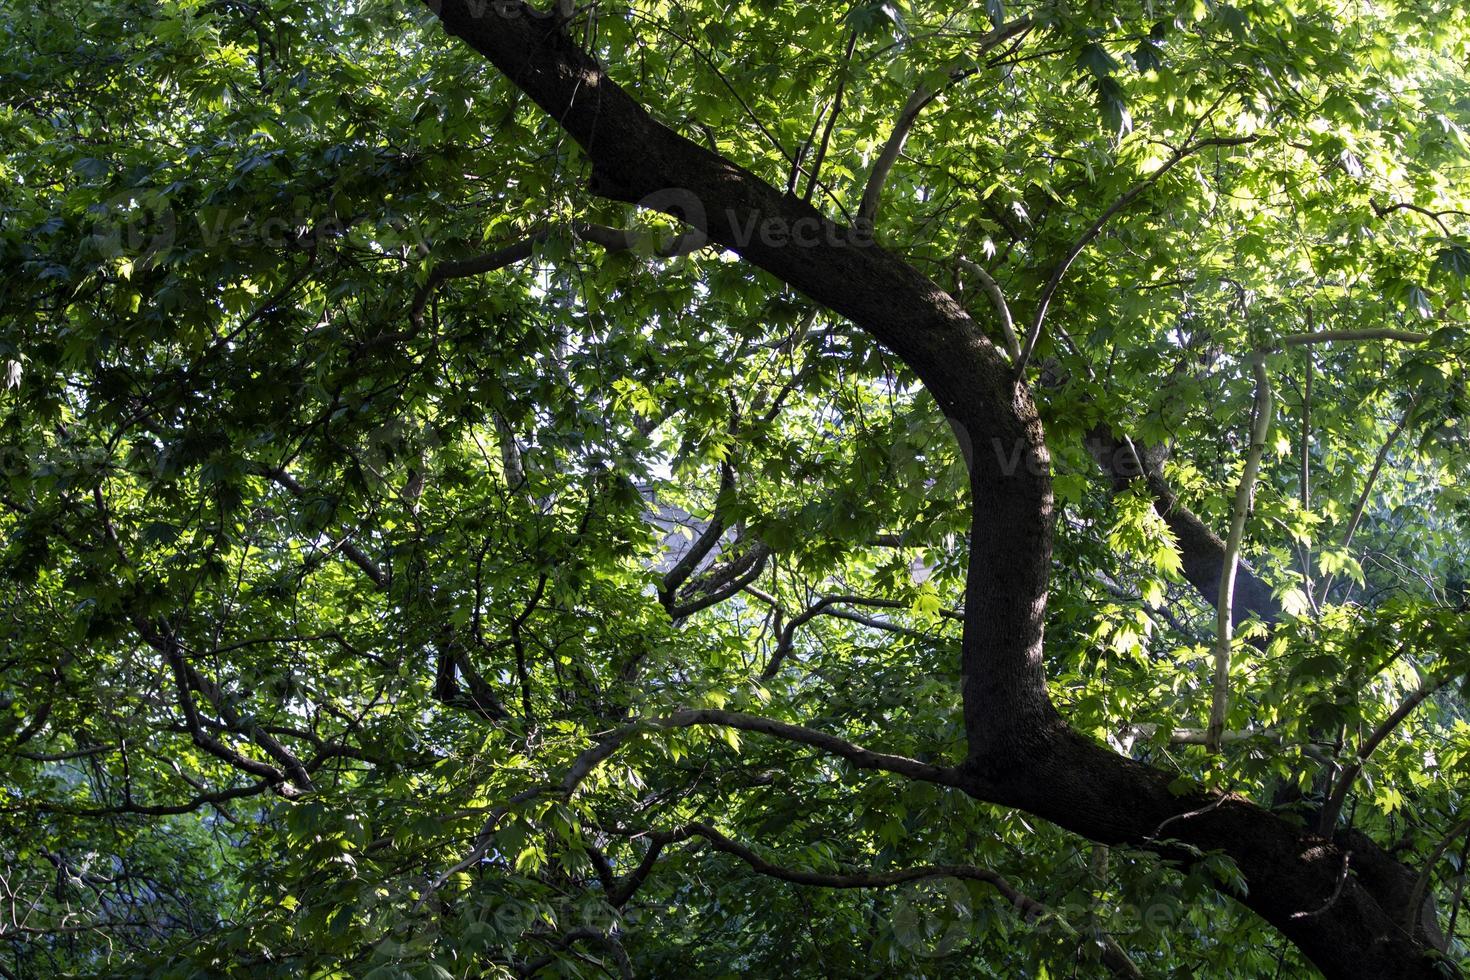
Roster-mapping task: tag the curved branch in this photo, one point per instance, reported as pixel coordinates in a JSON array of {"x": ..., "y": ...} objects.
[
  {"x": 1020, "y": 752},
  {"x": 909, "y": 115},
  {"x": 1095, "y": 229},
  {"x": 722, "y": 583},
  {"x": 582, "y": 935},
  {"x": 186, "y": 681},
  {"x": 998, "y": 299},
  {"x": 1421, "y": 884},
  {"x": 1031, "y": 910},
  {"x": 586, "y": 763},
  {"x": 823, "y": 606},
  {"x": 464, "y": 268},
  {"x": 611, "y": 239},
  {"x": 702, "y": 545}
]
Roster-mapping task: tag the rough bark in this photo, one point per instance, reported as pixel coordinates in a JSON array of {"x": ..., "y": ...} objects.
[{"x": 1021, "y": 753}]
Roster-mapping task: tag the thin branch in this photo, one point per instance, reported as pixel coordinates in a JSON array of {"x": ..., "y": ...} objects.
[
  {"x": 354, "y": 554},
  {"x": 584, "y": 765},
  {"x": 1306, "y": 464},
  {"x": 821, "y": 156},
  {"x": 1415, "y": 905},
  {"x": 1378, "y": 461},
  {"x": 1244, "y": 494},
  {"x": 1116, "y": 960},
  {"x": 64, "y": 756},
  {"x": 909, "y": 115},
  {"x": 166, "y": 809},
  {"x": 1449, "y": 929},
  {"x": 1095, "y": 229},
  {"x": 1200, "y": 736},
  {"x": 1375, "y": 738},
  {"x": 611, "y": 239},
  {"x": 1347, "y": 857},
  {"x": 998, "y": 299},
  {"x": 1362, "y": 504},
  {"x": 823, "y": 606},
  {"x": 1436, "y": 216},
  {"x": 1370, "y": 333},
  {"x": 583, "y": 935}
]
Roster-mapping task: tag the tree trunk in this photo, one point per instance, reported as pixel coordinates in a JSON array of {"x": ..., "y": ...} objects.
[{"x": 1021, "y": 753}]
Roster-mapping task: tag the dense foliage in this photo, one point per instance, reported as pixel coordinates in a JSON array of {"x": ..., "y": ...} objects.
[{"x": 378, "y": 500}]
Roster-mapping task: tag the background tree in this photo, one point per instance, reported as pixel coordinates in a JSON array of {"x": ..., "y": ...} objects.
[{"x": 845, "y": 490}]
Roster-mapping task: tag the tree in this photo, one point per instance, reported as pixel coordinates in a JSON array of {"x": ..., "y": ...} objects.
[{"x": 683, "y": 489}]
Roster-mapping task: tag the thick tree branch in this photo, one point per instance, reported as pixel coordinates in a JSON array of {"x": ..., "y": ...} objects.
[
  {"x": 637, "y": 159},
  {"x": 702, "y": 545},
  {"x": 1020, "y": 752},
  {"x": 724, "y": 582},
  {"x": 186, "y": 681},
  {"x": 1201, "y": 551},
  {"x": 1331, "y": 336}
]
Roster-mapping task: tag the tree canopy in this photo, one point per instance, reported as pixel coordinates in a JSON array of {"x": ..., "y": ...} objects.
[{"x": 734, "y": 488}]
